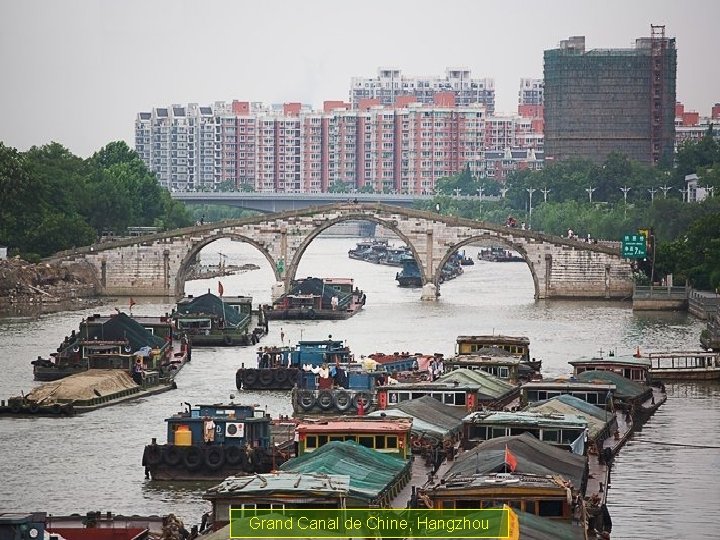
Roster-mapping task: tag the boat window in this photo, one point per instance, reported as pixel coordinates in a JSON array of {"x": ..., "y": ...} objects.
[
  {"x": 478, "y": 432},
  {"x": 570, "y": 435},
  {"x": 311, "y": 441},
  {"x": 379, "y": 442},
  {"x": 322, "y": 439},
  {"x": 550, "y": 508},
  {"x": 351, "y": 438},
  {"x": 504, "y": 373},
  {"x": 437, "y": 396},
  {"x": 449, "y": 398},
  {"x": 403, "y": 396},
  {"x": 533, "y": 395},
  {"x": 515, "y": 504},
  {"x": 550, "y": 435},
  {"x": 417, "y": 395},
  {"x": 460, "y": 398},
  {"x": 336, "y": 438},
  {"x": 552, "y": 394},
  {"x": 391, "y": 441},
  {"x": 592, "y": 397},
  {"x": 366, "y": 441},
  {"x": 499, "y": 432}
]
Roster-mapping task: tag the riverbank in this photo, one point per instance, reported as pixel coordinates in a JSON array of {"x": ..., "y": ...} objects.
[{"x": 28, "y": 289}]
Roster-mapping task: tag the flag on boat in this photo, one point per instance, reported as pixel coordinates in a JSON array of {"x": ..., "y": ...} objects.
[
  {"x": 578, "y": 445},
  {"x": 220, "y": 288},
  {"x": 132, "y": 302},
  {"x": 510, "y": 459}
]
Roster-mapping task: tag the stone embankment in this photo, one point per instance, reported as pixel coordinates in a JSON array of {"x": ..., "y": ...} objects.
[{"x": 30, "y": 288}]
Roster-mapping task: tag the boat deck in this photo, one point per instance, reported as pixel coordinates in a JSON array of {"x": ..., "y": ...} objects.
[{"x": 420, "y": 476}]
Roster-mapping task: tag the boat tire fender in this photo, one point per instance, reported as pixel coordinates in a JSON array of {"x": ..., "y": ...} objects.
[
  {"x": 15, "y": 408},
  {"x": 306, "y": 399},
  {"x": 214, "y": 457},
  {"x": 250, "y": 377},
  {"x": 361, "y": 397},
  {"x": 227, "y": 339},
  {"x": 193, "y": 458},
  {"x": 266, "y": 377},
  {"x": 56, "y": 408},
  {"x": 34, "y": 408},
  {"x": 171, "y": 455},
  {"x": 311, "y": 314},
  {"x": 342, "y": 400},
  {"x": 281, "y": 375},
  {"x": 325, "y": 400},
  {"x": 233, "y": 454}
]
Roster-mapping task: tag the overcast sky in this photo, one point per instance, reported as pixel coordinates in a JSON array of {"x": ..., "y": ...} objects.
[{"x": 77, "y": 72}]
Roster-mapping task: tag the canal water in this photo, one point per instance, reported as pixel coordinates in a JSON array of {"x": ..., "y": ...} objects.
[{"x": 92, "y": 462}]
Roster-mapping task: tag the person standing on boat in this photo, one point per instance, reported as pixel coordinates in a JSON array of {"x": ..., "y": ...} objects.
[
  {"x": 208, "y": 430},
  {"x": 137, "y": 371}
]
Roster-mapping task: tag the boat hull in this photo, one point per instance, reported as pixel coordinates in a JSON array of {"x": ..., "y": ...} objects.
[
  {"x": 213, "y": 462},
  {"x": 712, "y": 374},
  {"x": 266, "y": 379},
  {"x": 309, "y": 315}
]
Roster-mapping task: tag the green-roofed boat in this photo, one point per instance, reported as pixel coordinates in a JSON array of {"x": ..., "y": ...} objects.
[{"x": 210, "y": 320}]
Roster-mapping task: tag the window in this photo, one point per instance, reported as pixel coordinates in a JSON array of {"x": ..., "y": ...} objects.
[
  {"x": 322, "y": 439},
  {"x": 311, "y": 441},
  {"x": 550, "y": 508},
  {"x": 379, "y": 442},
  {"x": 550, "y": 435},
  {"x": 366, "y": 441},
  {"x": 391, "y": 441}
]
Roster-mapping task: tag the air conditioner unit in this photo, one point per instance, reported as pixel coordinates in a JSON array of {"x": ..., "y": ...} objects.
[{"x": 234, "y": 429}]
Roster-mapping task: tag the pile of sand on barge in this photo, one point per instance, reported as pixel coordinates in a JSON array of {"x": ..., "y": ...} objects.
[{"x": 83, "y": 386}]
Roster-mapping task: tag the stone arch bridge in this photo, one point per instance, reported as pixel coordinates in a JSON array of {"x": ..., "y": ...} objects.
[{"x": 157, "y": 265}]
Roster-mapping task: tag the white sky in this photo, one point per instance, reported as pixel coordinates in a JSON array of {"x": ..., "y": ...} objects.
[{"x": 77, "y": 72}]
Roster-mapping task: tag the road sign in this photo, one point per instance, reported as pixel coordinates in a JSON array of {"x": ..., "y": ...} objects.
[{"x": 634, "y": 246}]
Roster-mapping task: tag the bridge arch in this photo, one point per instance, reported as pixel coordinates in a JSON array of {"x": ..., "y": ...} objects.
[
  {"x": 391, "y": 225},
  {"x": 495, "y": 240},
  {"x": 198, "y": 246}
]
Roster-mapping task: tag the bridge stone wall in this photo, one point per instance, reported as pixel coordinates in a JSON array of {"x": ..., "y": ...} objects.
[{"x": 157, "y": 265}]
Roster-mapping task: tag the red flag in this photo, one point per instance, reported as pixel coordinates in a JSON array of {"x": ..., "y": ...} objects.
[
  {"x": 510, "y": 459},
  {"x": 132, "y": 302},
  {"x": 220, "y": 288}
]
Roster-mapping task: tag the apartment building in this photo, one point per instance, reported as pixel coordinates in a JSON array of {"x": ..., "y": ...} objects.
[{"x": 390, "y": 84}]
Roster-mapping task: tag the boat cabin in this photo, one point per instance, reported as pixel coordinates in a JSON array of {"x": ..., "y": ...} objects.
[
  {"x": 518, "y": 346},
  {"x": 684, "y": 365},
  {"x": 274, "y": 492},
  {"x": 556, "y": 429},
  {"x": 384, "y": 435},
  {"x": 233, "y": 425},
  {"x": 241, "y": 304},
  {"x": 508, "y": 368},
  {"x": 591, "y": 392},
  {"x": 630, "y": 367},
  {"x": 316, "y": 353}
]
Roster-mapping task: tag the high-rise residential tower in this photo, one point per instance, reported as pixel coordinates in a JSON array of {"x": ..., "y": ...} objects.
[{"x": 606, "y": 100}]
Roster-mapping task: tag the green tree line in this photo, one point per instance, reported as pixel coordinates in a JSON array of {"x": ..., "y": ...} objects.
[
  {"x": 626, "y": 196},
  {"x": 54, "y": 200}
]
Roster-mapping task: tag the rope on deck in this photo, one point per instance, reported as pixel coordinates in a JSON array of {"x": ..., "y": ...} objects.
[{"x": 663, "y": 443}]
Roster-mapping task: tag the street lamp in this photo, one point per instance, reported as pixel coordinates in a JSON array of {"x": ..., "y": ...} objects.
[
  {"x": 590, "y": 190},
  {"x": 625, "y": 190},
  {"x": 665, "y": 190},
  {"x": 457, "y": 191},
  {"x": 652, "y": 192},
  {"x": 480, "y": 192},
  {"x": 503, "y": 191},
  {"x": 545, "y": 193},
  {"x": 530, "y": 191},
  {"x": 685, "y": 191}
]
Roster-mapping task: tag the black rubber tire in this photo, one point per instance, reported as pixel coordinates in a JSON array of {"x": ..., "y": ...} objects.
[
  {"x": 325, "y": 400},
  {"x": 56, "y": 408},
  {"x": 233, "y": 454},
  {"x": 266, "y": 377},
  {"x": 171, "y": 455},
  {"x": 250, "y": 377},
  {"x": 306, "y": 399},
  {"x": 34, "y": 408},
  {"x": 311, "y": 315},
  {"x": 365, "y": 399},
  {"x": 153, "y": 454},
  {"x": 342, "y": 400},
  {"x": 227, "y": 339},
  {"x": 214, "y": 457},
  {"x": 15, "y": 409},
  {"x": 281, "y": 376},
  {"x": 193, "y": 458}
]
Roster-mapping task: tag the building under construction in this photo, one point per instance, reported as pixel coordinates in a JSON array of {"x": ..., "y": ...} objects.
[{"x": 606, "y": 100}]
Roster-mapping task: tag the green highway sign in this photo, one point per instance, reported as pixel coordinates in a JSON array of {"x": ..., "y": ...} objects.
[{"x": 634, "y": 246}]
